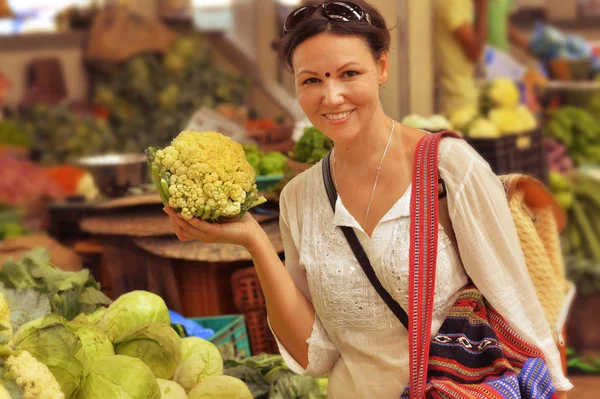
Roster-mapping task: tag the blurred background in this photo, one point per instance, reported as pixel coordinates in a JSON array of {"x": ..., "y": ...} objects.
[{"x": 87, "y": 85}]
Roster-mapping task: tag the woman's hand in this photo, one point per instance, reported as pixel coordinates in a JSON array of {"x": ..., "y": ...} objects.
[
  {"x": 239, "y": 232},
  {"x": 562, "y": 395}
]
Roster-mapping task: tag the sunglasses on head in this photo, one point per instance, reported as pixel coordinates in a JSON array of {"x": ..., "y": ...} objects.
[{"x": 341, "y": 11}]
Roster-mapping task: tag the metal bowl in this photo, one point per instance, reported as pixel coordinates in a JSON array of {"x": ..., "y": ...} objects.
[{"x": 114, "y": 174}]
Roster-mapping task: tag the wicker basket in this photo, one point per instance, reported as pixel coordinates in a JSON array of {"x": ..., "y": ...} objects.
[{"x": 248, "y": 299}]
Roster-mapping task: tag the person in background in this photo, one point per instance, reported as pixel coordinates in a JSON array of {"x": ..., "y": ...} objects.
[
  {"x": 461, "y": 29},
  {"x": 501, "y": 32}
]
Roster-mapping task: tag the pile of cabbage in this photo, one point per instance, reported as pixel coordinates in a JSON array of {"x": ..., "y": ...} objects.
[{"x": 127, "y": 350}]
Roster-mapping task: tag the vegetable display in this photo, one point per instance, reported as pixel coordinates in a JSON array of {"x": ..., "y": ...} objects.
[
  {"x": 125, "y": 351},
  {"x": 579, "y": 131},
  {"x": 498, "y": 113},
  {"x": 204, "y": 175},
  {"x": 312, "y": 146},
  {"x": 580, "y": 196},
  {"x": 270, "y": 163}
]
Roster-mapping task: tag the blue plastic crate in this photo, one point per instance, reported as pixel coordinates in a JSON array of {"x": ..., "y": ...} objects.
[{"x": 230, "y": 329}]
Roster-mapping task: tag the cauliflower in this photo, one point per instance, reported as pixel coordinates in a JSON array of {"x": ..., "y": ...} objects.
[
  {"x": 5, "y": 328},
  {"x": 504, "y": 93},
  {"x": 26, "y": 377},
  {"x": 482, "y": 128},
  {"x": 204, "y": 175},
  {"x": 462, "y": 118}
]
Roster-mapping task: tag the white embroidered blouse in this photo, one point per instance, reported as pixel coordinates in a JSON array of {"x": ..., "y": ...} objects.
[{"x": 355, "y": 337}]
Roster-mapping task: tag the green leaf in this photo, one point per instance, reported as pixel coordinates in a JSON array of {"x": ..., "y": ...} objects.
[{"x": 25, "y": 305}]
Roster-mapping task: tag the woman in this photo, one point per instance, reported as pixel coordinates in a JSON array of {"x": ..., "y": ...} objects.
[{"x": 322, "y": 309}]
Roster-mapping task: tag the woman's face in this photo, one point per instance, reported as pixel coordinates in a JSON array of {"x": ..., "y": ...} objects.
[{"x": 337, "y": 83}]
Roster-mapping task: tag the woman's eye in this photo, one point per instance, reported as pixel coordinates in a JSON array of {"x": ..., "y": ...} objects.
[
  {"x": 349, "y": 74},
  {"x": 310, "y": 81}
]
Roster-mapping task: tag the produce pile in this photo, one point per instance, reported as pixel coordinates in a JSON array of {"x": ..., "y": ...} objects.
[
  {"x": 60, "y": 135},
  {"x": 580, "y": 196},
  {"x": 268, "y": 377},
  {"x": 498, "y": 113},
  {"x": 270, "y": 163},
  {"x": 434, "y": 123},
  {"x": 152, "y": 96},
  {"x": 58, "y": 340},
  {"x": 578, "y": 131},
  {"x": 312, "y": 146},
  {"x": 204, "y": 175}
]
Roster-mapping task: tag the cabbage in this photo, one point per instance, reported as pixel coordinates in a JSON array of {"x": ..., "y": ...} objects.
[
  {"x": 155, "y": 344},
  {"x": 133, "y": 310},
  {"x": 91, "y": 318},
  {"x": 220, "y": 387},
  {"x": 52, "y": 343},
  {"x": 170, "y": 390},
  {"x": 199, "y": 359},
  {"x": 439, "y": 122},
  {"x": 94, "y": 343},
  {"x": 416, "y": 121},
  {"x": 119, "y": 377}
]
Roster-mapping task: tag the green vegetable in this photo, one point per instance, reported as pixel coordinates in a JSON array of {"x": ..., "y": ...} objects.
[
  {"x": 273, "y": 163},
  {"x": 199, "y": 359},
  {"x": 91, "y": 318},
  {"x": 133, "y": 310},
  {"x": 156, "y": 344},
  {"x": 170, "y": 390},
  {"x": 94, "y": 343},
  {"x": 204, "y": 175},
  {"x": 312, "y": 146},
  {"x": 12, "y": 134},
  {"x": 69, "y": 293},
  {"x": 268, "y": 374},
  {"x": 25, "y": 305},
  {"x": 120, "y": 377},
  {"x": 220, "y": 387},
  {"x": 52, "y": 343}
]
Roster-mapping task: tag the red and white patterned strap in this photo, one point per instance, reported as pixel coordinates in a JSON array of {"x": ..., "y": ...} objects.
[{"x": 423, "y": 257}]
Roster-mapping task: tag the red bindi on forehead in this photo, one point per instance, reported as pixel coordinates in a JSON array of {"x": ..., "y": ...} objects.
[{"x": 327, "y": 74}]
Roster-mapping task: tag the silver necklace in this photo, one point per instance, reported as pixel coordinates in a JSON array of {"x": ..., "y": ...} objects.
[{"x": 376, "y": 176}]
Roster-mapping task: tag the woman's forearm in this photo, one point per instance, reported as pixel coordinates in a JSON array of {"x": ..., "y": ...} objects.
[{"x": 291, "y": 314}]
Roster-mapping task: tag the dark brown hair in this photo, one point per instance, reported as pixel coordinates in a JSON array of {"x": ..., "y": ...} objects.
[{"x": 375, "y": 35}]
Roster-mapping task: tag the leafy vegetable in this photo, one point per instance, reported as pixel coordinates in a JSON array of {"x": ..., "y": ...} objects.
[
  {"x": 25, "y": 305},
  {"x": 312, "y": 146},
  {"x": 120, "y": 377},
  {"x": 268, "y": 376},
  {"x": 94, "y": 343},
  {"x": 220, "y": 387},
  {"x": 170, "y": 390},
  {"x": 133, "y": 310},
  {"x": 156, "y": 344},
  {"x": 52, "y": 343},
  {"x": 199, "y": 359},
  {"x": 69, "y": 293}
]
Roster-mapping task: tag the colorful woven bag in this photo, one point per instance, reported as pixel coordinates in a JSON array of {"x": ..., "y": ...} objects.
[{"x": 475, "y": 354}]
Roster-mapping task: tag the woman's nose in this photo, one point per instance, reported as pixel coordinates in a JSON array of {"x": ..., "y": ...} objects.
[{"x": 333, "y": 95}]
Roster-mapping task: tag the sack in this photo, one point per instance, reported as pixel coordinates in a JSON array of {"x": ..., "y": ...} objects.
[{"x": 475, "y": 354}]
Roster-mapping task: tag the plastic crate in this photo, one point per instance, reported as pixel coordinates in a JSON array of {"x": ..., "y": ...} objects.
[
  {"x": 248, "y": 299},
  {"x": 519, "y": 153},
  {"x": 230, "y": 329}
]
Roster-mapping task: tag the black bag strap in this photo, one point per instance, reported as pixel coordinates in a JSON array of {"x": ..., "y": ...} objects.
[{"x": 358, "y": 250}]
